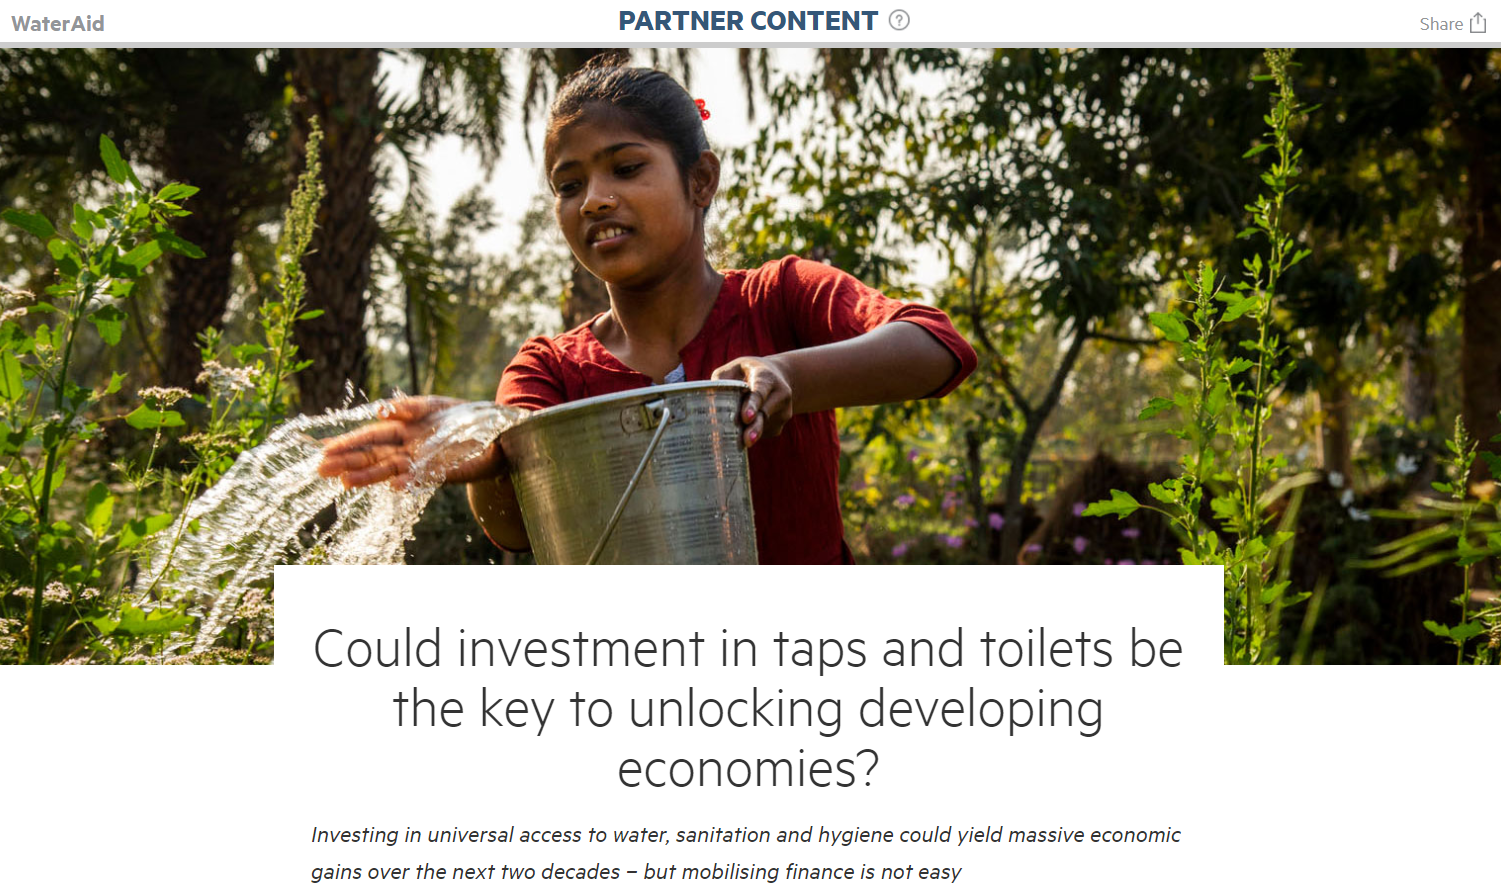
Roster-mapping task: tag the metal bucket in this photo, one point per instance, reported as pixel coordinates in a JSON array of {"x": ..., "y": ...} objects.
[{"x": 655, "y": 475}]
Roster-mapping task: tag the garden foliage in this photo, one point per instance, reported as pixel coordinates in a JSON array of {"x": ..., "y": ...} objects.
[{"x": 70, "y": 580}]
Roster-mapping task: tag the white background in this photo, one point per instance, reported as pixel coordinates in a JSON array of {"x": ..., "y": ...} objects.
[
  {"x": 203, "y": 779},
  {"x": 597, "y": 22}
]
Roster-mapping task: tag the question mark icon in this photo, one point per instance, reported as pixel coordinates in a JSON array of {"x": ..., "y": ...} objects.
[
  {"x": 899, "y": 20},
  {"x": 875, "y": 759}
]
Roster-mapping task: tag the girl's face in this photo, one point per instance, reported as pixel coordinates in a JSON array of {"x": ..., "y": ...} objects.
[{"x": 622, "y": 204}]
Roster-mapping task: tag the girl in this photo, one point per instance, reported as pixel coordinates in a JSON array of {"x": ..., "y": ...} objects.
[{"x": 632, "y": 176}]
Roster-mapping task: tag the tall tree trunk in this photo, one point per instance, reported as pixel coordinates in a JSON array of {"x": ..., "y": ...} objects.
[
  {"x": 1334, "y": 413},
  {"x": 1419, "y": 390},
  {"x": 205, "y": 133},
  {"x": 1021, "y": 452},
  {"x": 198, "y": 289},
  {"x": 339, "y": 87},
  {"x": 1476, "y": 98}
]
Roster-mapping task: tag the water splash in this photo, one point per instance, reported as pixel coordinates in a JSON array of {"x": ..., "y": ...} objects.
[{"x": 261, "y": 512}]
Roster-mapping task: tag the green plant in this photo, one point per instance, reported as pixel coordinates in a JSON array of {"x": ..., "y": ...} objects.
[
  {"x": 1458, "y": 533},
  {"x": 53, "y": 564},
  {"x": 245, "y": 403},
  {"x": 1462, "y": 454},
  {"x": 67, "y": 548},
  {"x": 1225, "y": 420}
]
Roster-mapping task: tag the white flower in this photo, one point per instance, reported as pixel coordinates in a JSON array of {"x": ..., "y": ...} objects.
[
  {"x": 1336, "y": 479},
  {"x": 12, "y": 314},
  {"x": 163, "y": 395},
  {"x": 1347, "y": 497},
  {"x": 227, "y": 379},
  {"x": 9, "y": 295},
  {"x": 1359, "y": 515},
  {"x": 1406, "y": 466}
]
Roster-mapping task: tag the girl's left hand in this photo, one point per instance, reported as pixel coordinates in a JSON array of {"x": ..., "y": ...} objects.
[{"x": 768, "y": 407}]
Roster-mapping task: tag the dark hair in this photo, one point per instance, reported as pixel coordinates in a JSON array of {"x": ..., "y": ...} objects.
[{"x": 648, "y": 101}]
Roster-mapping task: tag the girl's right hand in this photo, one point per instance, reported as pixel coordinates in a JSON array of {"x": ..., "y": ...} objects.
[{"x": 384, "y": 451}]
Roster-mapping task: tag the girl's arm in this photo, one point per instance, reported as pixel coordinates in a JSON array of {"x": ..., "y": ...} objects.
[
  {"x": 898, "y": 361},
  {"x": 383, "y": 452}
]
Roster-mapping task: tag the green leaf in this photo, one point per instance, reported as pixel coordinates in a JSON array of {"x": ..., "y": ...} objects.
[
  {"x": 12, "y": 380},
  {"x": 110, "y": 322},
  {"x": 67, "y": 257},
  {"x": 142, "y": 256},
  {"x": 115, "y": 381},
  {"x": 139, "y": 530},
  {"x": 244, "y": 353},
  {"x": 1240, "y": 309},
  {"x": 1171, "y": 324},
  {"x": 1493, "y": 461},
  {"x": 176, "y": 244},
  {"x": 36, "y": 225},
  {"x": 1462, "y": 633},
  {"x": 1120, "y": 504},
  {"x": 1240, "y": 365},
  {"x": 139, "y": 624},
  {"x": 1257, "y": 150},
  {"x": 145, "y": 418},
  {"x": 174, "y": 192},
  {"x": 310, "y": 315},
  {"x": 1214, "y": 402},
  {"x": 1272, "y": 593},
  {"x": 99, "y": 509},
  {"x": 1154, "y": 407},
  {"x": 1468, "y": 555},
  {"x": 114, "y": 165},
  {"x": 1165, "y": 493}
]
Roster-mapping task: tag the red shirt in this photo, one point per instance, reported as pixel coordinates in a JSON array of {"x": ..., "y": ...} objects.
[{"x": 780, "y": 306}]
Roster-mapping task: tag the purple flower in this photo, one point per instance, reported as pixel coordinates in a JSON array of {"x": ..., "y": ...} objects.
[
  {"x": 997, "y": 521},
  {"x": 1109, "y": 562},
  {"x": 954, "y": 541},
  {"x": 1078, "y": 508},
  {"x": 900, "y": 549},
  {"x": 912, "y": 455},
  {"x": 1127, "y": 563},
  {"x": 950, "y": 501},
  {"x": 906, "y": 500},
  {"x": 1033, "y": 548},
  {"x": 1149, "y": 563},
  {"x": 1080, "y": 543},
  {"x": 1131, "y": 532},
  {"x": 970, "y": 522}
]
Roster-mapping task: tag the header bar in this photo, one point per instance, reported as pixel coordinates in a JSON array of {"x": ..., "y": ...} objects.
[{"x": 806, "y": 22}]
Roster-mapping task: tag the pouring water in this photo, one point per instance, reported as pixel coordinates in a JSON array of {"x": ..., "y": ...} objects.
[{"x": 261, "y": 512}]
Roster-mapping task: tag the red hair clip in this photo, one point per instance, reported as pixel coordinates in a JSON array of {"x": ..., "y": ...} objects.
[{"x": 702, "y": 112}]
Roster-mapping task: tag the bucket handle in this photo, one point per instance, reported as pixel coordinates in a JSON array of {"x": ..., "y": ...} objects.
[{"x": 630, "y": 488}]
